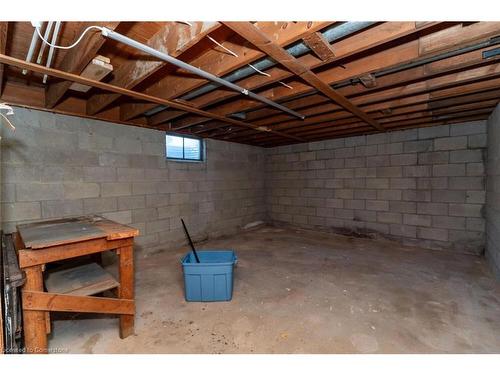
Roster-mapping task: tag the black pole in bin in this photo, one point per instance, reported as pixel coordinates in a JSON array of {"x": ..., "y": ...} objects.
[{"x": 190, "y": 242}]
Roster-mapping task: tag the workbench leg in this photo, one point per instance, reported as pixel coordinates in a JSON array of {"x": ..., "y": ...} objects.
[
  {"x": 126, "y": 289},
  {"x": 35, "y": 332}
]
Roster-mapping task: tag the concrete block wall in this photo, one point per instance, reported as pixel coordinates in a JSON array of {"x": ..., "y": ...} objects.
[
  {"x": 422, "y": 187},
  {"x": 493, "y": 193},
  {"x": 57, "y": 166}
]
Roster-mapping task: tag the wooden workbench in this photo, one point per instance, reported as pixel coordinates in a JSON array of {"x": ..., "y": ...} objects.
[{"x": 49, "y": 241}]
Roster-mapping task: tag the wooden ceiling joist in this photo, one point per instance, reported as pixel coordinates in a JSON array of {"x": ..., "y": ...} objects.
[
  {"x": 384, "y": 59},
  {"x": 133, "y": 94},
  {"x": 384, "y": 34},
  {"x": 76, "y": 59},
  {"x": 392, "y": 90},
  {"x": 3, "y": 46},
  {"x": 173, "y": 38},
  {"x": 258, "y": 38},
  {"x": 220, "y": 63}
]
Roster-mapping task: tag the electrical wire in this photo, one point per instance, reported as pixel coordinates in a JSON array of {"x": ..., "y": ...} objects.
[
  {"x": 287, "y": 86},
  {"x": 259, "y": 71},
  {"x": 72, "y": 45},
  {"x": 221, "y": 46}
]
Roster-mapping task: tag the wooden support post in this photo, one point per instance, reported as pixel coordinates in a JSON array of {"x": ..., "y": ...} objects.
[
  {"x": 126, "y": 289},
  {"x": 35, "y": 331}
]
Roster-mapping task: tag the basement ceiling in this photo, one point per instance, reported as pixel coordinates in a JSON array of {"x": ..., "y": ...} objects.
[{"x": 346, "y": 78}]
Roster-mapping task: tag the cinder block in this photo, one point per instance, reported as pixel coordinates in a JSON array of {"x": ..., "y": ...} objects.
[
  {"x": 62, "y": 208},
  {"x": 142, "y": 188},
  {"x": 474, "y": 127},
  {"x": 365, "y": 194},
  {"x": 403, "y": 207},
  {"x": 377, "y": 183},
  {"x": 364, "y": 215},
  {"x": 389, "y": 195},
  {"x": 130, "y": 174},
  {"x": 389, "y": 217},
  {"x": 417, "y": 195},
  {"x": 404, "y": 159},
  {"x": 389, "y": 172},
  {"x": 377, "y": 205},
  {"x": 478, "y": 141},
  {"x": 403, "y": 230},
  {"x": 475, "y": 169},
  {"x": 355, "y": 141},
  {"x": 79, "y": 190},
  {"x": 115, "y": 189},
  {"x": 417, "y": 146},
  {"x": 466, "y": 210},
  {"x": 333, "y": 203},
  {"x": 132, "y": 202},
  {"x": 475, "y": 196},
  {"x": 403, "y": 183},
  {"x": 390, "y": 148},
  {"x": 404, "y": 135},
  {"x": 99, "y": 174},
  {"x": 355, "y": 162},
  {"x": 447, "y": 196},
  {"x": 306, "y": 156},
  {"x": 435, "y": 234},
  {"x": 378, "y": 161},
  {"x": 434, "y": 132},
  {"x": 122, "y": 217},
  {"x": 450, "y": 143},
  {"x": 417, "y": 220},
  {"x": 432, "y": 208},
  {"x": 98, "y": 205},
  {"x": 467, "y": 183},
  {"x": 21, "y": 211},
  {"x": 375, "y": 139},
  {"x": 475, "y": 224},
  {"x": 344, "y": 193},
  {"x": 354, "y": 204},
  {"x": 346, "y": 152},
  {"x": 432, "y": 183},
  {"x": 466, "y": 156},
  {"x": 448, "y": 170},
  {"x": 32, "y": 192},
  {"x": 448, "y": 222},
  {"x": 344, "y": 213},
  {"x": 417, "y": 171},
  {"x": 437, "y": 157},
  {"x": 145, "y": 214}
]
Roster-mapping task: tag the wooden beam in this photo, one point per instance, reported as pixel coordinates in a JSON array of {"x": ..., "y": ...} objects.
[
  {"x": 415, "y": 81},
  {"x": 221, "y": 63},
  {"x": 41, "y": 301},
  {"x": 390, "y": 57},
  {"x": 134, "y": 94},
  {"x": 76, "y": 59},
  {"x": 348, "y": 48},
  {"x": 3, "y": 47},
  {"x": 262, "y": 41},
  {"x": 320, "y": 46},
  {"x": 173, "y": 38}
]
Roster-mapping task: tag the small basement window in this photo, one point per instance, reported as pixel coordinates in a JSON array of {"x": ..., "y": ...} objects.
[{"x": 184, "y": 148}]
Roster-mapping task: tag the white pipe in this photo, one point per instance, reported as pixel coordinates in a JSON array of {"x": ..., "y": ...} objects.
[
  {"x": 29, "y": 56},
  {"x": 48, "y": 29},
  {"x": 51, "y": 50}
]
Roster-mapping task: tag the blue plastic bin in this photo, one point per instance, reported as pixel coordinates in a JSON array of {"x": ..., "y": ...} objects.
[{"x": 210, "y": 280}]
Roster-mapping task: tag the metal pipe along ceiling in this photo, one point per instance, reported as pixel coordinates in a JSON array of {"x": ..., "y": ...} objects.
[
  {"x": 181, "y": 64},
  {"x": 298, "y": 49}
]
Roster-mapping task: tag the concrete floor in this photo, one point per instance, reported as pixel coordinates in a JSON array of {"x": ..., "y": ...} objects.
[{"x": 308, "y": 292}]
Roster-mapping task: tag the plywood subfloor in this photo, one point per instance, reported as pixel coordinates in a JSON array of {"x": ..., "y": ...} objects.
[{"x": 307, "y": 292}]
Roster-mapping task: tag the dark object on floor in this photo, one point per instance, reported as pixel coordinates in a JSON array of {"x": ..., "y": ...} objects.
[
  {"x": 190, "y": 242},
  {"x": 11, "y": 280},
  {"x": 212, "y": 279}
]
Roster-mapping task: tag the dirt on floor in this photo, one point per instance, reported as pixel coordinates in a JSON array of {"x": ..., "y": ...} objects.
[{"x": 298, "y": 291}]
